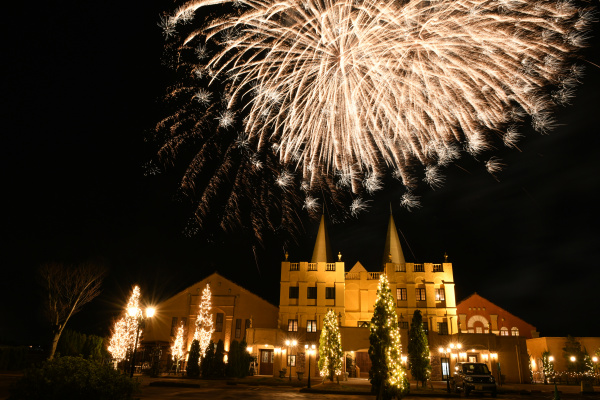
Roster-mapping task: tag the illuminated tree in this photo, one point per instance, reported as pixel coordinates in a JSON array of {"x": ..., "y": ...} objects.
[
  {"x": 418, "y": 350},
  {"x": 177, "y": 351},
  {"x": 330, "y": 347},
  {"x": 547, "y": 366},
  {"x": 67, "y": 290},
  {"x": 204, "y": 321},
  {"x": 124, "y": 332},
  {"x": 387, "y": 376}
]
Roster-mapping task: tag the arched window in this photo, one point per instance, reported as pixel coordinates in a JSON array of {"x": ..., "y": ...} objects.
[
  {"x": 514, "y": 331},
  {"x": 504, "y": 331}
]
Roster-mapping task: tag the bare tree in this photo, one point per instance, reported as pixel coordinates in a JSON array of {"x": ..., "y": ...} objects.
[{"x": 68, "y": 289}]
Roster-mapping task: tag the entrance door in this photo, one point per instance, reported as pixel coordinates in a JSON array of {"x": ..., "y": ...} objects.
[
  {"x": 364, "y": 363},
  {"x": 266, "y": 362}
]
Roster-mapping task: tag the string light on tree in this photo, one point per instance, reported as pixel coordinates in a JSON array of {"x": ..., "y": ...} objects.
[
  {"x": 387, "y": 374},
  {"x": 119, "y": 341},
  {"x": 330, "y": 347},
  {"x": 177, "y": 351},
  {"x": 123, "y": 338},
  {"x": 204, "y": 321}
]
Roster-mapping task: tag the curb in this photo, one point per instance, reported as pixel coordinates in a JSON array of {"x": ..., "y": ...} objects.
[{"x": 364, "y": 393}]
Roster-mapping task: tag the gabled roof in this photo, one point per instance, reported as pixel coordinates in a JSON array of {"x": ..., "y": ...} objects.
[
  {"x": 358, "y": 267},
  {"x": 322, "y": 250},
  {"x": 393, "y": 250},
  {"x": 215, "y": 276},
  {"x": 479, "y": 301}
]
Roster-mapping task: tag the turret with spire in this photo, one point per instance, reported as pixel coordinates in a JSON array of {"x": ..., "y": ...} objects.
[
  {"x": 322, "y": 251},
  {"x": 392, "y": 253}
]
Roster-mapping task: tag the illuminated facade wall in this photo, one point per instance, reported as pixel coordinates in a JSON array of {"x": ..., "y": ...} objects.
[
  {"x": 234, "y": 309},
  {"x": 555, "y": 345},
  {"x": 479, "y": 315},
  {"x": 309, "y": 289}
]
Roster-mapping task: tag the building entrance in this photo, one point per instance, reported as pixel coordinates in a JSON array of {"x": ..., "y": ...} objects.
[{"x": 266, "y": 362}]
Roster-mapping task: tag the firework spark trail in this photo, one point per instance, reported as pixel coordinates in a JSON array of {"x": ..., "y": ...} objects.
[{"x": 338, "y": 93}]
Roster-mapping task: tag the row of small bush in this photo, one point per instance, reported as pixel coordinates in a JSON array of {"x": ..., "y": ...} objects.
[
  {"x": 73, "y": 378},
  {"x": 213, "y": 365}
]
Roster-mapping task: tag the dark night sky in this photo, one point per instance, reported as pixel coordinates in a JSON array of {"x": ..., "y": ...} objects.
[{"x": 80, "y": 87}]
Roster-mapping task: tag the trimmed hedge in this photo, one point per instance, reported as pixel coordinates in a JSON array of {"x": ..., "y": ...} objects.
[{"x": 73, "y": 378}]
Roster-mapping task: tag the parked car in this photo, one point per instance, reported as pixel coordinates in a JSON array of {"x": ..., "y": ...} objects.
[{"x": 473, "y": 377}]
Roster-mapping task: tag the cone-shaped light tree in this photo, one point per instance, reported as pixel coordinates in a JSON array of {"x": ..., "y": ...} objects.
[
  {"x": 204, "y": 321},
  {"x": 177, "y": 351},
  {"x": 124, "y": 332},
  {"x": 418, "y": 350},
  {"x": 330, "y": 347},
  {"x": 388, "y": 378}
]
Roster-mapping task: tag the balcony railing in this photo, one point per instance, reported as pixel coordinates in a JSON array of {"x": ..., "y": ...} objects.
[
  {"x": 400, "y": 267},
  {"x": 330, "y": 267},
  {"x": 419, "y": 268},
  {"x": 312, "y": 266},
  {"x": 438, "y": 268},
  {"x": 374, "y": 275},
  {"x": 353, "y": 276},
  {"x": 294, "y": 266}
]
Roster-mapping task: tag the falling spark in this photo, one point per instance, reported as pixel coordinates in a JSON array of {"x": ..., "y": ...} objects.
[
  {"x": 344, "y": 92},
  {"x": 358, "y": 205},
  {"x": 342, "y": 69},
  {"x": 410, "y": 201},
  {"x": 494, "y": 165}
]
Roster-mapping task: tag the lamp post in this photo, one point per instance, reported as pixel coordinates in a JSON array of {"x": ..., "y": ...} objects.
[
  {"x": 290, "y": 343},
  {"x": 309, "y": 351},
  {"x": 135, "y": 312}
]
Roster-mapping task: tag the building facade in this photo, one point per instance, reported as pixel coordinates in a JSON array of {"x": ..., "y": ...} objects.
[
  {"x": 279, "y": 337},
  {"x": 235, "y": 311},
  {"x": 479, "y": 315}
]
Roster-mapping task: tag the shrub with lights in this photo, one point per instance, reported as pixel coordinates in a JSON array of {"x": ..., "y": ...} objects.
[
  {"x": 330, "y": 347},
  {"x": 387, "y": 376}
]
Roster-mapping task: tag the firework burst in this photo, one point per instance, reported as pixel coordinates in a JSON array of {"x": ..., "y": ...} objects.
[{"x": 342, "y": 92}]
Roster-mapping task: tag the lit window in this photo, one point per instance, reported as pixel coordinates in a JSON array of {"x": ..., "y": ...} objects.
[
  {"x": 363, "y": 324},
  {"x": 420, "y": 294},
  {"x": 504, "y": 331},
  {"x": 292, "y": 325},
  {"x": 440, "y": 294},
  {"x": 401, "y": 294},
  {"x": 311, "y": 325},
  {"x": 478, "y": 329},
  {"x": 514, "y": 331},
  {"x": 291, "y": 360}
]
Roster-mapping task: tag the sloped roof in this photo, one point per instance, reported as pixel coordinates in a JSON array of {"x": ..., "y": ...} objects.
[
  {"x": 322, "y": 250},
  {"x": 358, "y": 267},
  {"x": 393, "y": 250}
]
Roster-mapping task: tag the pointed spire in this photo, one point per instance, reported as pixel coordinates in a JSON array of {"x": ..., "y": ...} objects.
[
  {"x": 393, "y": 250},
  {"x": 322, "y": 251}
]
